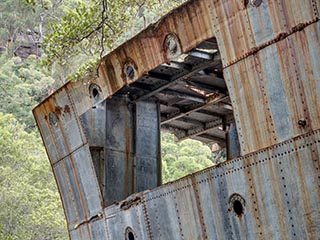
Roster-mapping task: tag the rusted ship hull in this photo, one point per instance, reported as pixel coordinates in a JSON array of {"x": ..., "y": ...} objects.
[{"x": 269, "y": 53}]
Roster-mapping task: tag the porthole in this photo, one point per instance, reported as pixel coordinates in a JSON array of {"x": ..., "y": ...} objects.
[
  {"x": 129, "y": 234},
  {"x": 172, "y": 46},
  {"x": 256, "y": 3},
  {"x": 237, "y": 204},
  {"x": 94, "y": 91},
  {"x": 238, "y": 207},
  {"x": 130, "y": 70}
]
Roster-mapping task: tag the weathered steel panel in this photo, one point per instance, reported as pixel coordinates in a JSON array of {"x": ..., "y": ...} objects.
[
  {"x": 119, "y": 149},
  {"x": 216, "y": 186},
  {"x": 307, "y": 52},
  {"x": 240, "y": 28},
  {"x": 119, "y": 175},
  {"x": 90, "y": 231},
  {"x": 279, "y": 80},
  {"x": 67, "y": 195},
  {"x": 81, "y": 232},
  {"x": 277, "y": 187},
  {"x": 44, "y": 127},
  {"x": 276, "y": 91},
  {"x": 131, "y": 217},
  {"x": 189, "y": 210},
  {"x": 59, "y": 121},
  {"x": 162, "y": 214},
  {"x": 235, "y": 38},
  {"x": 148, "y": 173},
  {"x": 94, "y": 125},
  {"x": 119, "y": 122},
  {"x": 260, "y": 20},
  {"x": 89, "y": 187},
  {"x": 272, "y": 18},
  {"x": 80, "y": 190},
  {"x": 148, "y": 159},
  {"x": 81, "y": 96},
  {"x": 68, "y": 132},
  {"x": 233, "y": 150},
  {"x": 172, "y": 208},
  {"x": 98, "y": 229}
]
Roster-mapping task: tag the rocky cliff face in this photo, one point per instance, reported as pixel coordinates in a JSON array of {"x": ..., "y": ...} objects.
[
  {"x": 23, "y": 44},
  {"x": 27, "y": 44}
]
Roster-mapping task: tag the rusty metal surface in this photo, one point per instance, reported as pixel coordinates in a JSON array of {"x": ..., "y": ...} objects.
[
  {"x": 269, "y": 54},
  {"x": 283, "y": 81},
  {"x": 76, "y": 180},
  {"x": 70, "y": 159},
  {"x": 279, "y": 185},
  {"x": 244, "y": 34},
  {"x": 148, "y": 158},
  {"x": 133, "y": 217}
]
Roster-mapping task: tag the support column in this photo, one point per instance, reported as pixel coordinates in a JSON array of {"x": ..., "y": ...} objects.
[
  {"x": 124, "y": 140},
  {"x": 119, "y": 149},
  {"x": 148, "y": 150},
  {"x": 93, "y": 124},
  {"x": 233, "y": 145},
  {"x": 133, "y": 159}
]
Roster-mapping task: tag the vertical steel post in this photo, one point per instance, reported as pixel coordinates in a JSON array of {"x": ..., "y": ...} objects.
[{"x": 124, "y": 139}]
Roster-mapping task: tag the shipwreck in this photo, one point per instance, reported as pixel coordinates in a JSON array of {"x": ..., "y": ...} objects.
[{"x": 243, "y": 74}]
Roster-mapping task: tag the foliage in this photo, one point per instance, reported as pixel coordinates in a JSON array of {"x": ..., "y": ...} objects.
[
  {"x": 22, "y": 84},
  {"x": 29, "y": 201},
  {"x": 180, "y": 159},
  {"x": 91, "y": 29},
  {"x": 16, "y": 17}
]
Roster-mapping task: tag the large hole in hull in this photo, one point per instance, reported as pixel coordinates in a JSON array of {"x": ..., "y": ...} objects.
[{"x": 186, "y": 97}]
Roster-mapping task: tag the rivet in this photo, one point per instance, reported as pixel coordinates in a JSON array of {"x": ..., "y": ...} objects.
[{"x": 302, "y": 122}]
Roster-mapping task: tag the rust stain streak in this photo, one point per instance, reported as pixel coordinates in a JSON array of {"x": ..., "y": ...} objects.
[{"x": 199, "y": 207}]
